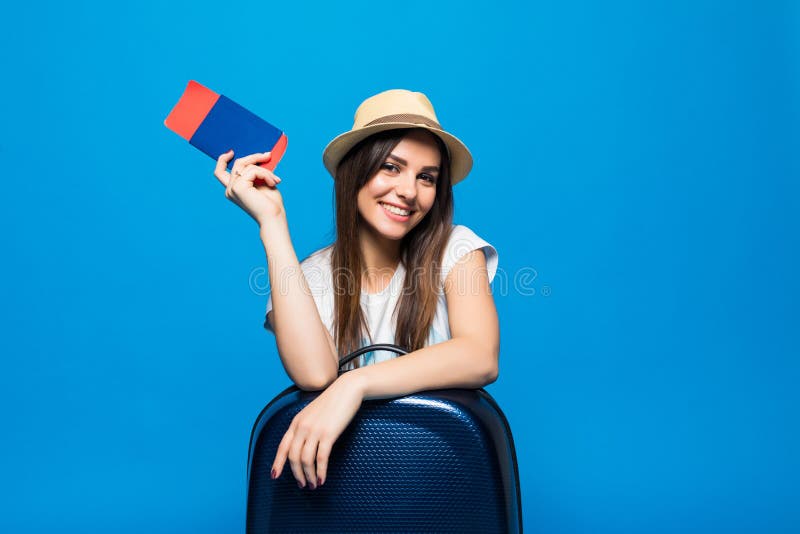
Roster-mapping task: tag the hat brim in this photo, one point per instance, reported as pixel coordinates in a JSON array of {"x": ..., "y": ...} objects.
[{"x": 460, "y": 156}]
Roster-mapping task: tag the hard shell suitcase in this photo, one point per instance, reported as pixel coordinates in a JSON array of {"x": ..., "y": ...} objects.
[{"x": 435, "y": 461}]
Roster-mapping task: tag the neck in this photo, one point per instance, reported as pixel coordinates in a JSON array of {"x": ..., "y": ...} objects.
[{"x": 380, "y": 254}]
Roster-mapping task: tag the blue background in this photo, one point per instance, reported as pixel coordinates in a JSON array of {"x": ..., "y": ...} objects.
[{"x": 636, "y": 167}]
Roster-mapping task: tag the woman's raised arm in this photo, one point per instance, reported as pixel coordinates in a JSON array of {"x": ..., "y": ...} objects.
[{"x": 304, "y": 344}]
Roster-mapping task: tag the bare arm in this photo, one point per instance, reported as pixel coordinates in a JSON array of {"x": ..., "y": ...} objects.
[
  {"x": 304, "y": 344},
  {"x": 468, "y": 360}
]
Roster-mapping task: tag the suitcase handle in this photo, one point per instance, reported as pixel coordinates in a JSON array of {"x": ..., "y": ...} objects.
[{"x": 369, "y": 348}]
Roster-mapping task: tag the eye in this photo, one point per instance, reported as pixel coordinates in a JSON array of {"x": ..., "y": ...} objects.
[
  {"x": 428, "y": 177},
  {"x": 390, "y": 166}
]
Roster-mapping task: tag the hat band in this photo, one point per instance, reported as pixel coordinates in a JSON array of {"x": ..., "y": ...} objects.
[{"x": 405, "y": 117}]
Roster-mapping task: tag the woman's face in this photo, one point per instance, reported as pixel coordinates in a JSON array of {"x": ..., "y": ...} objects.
[{"x": 405, "y": 180}]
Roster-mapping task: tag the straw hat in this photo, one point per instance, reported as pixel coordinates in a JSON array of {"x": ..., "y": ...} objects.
[{"x": 390, "y": 110}]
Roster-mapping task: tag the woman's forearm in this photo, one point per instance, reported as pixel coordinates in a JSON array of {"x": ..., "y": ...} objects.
[
  {"x": 456, "y": 363},
  {"x": 304, "y": 345}
]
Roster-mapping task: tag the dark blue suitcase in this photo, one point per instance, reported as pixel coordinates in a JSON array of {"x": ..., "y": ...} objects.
[{"x": 435, "y": 461}]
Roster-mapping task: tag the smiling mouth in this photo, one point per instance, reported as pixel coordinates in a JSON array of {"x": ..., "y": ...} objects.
[{"x": 395, "y": 210}]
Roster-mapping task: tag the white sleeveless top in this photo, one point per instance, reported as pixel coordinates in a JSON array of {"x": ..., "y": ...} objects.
[{"x": 379, "y": 307}]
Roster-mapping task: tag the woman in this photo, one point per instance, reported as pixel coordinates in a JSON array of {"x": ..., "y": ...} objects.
[{"x": 399, "y": 272}]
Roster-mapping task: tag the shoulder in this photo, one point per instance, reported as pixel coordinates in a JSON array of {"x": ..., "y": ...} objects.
[{"x": 464, "y": 240}]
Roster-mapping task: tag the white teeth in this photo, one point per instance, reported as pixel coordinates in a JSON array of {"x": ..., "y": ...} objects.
[{"x": 395, "y": 210}]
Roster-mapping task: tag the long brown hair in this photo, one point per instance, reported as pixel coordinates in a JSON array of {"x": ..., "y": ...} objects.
[{"x": 420, "y": 250}]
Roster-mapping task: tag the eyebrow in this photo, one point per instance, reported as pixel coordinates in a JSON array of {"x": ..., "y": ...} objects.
[{"x": 401, "y": 161}]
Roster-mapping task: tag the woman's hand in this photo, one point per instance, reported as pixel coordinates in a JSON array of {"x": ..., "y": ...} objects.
[
  {"x": 252, "y": 188},
  {"x": 309, "y": 439}
]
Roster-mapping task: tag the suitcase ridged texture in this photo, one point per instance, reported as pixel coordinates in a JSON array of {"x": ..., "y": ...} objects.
[{"x": 437, "y": 461}]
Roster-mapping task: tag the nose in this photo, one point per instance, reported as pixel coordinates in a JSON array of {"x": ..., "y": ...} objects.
[{"x": 406, "y": 187}]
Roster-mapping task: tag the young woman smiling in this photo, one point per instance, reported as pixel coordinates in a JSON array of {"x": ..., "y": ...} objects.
[{"x": 399, "y": 272}]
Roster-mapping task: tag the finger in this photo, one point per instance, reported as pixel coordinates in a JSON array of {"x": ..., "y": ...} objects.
[
  {"x": 308, "y": 458},
  {"x": 323, "y": 455},
  {"x": 236, "y": 174},
  {"x": 241, "y": 163},
  {"x": 282, "y": 453},
  {"x": 253, "y": 176},
  {"x": 261, "y": 185},
  {"x": 294, "y": 460},
  {"x": 222, "y": 163},
  {"x": 256, "y": 174}
]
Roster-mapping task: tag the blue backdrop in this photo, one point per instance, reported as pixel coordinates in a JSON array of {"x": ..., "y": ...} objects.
[{"x": 636, "y": 167}]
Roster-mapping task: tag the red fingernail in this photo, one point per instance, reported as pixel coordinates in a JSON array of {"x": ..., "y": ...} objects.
[
  {"x": 299, "y": 485},
  {"x": 321, "y": 481},
  {"x": 274, "y": 474}
]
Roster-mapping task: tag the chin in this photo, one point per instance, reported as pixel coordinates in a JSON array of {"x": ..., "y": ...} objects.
[{"x": 394, "y": 234}]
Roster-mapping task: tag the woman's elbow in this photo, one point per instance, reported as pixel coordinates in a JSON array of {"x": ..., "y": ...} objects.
[
  {"x": 486, "y": 355},
  {"x": 316, "y": 384},
  {"x": 490, "y": 375}
]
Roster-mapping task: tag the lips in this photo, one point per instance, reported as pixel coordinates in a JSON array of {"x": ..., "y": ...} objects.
[
  {"x": 397, "y": 206},
  {"x": 394, "y": 216}
]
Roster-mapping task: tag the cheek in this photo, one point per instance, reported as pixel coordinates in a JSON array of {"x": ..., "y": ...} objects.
[
  {"x": 366, "y": 201},
  {"x": 379, "y": 185},
  {"x": 373, "y": 189},
  {"x": 363, "y": 205},
  {"x": 430, "y": 200}
]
